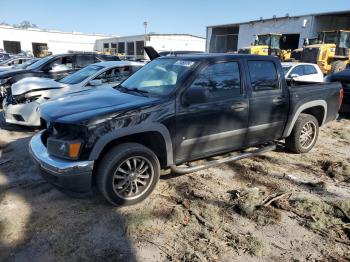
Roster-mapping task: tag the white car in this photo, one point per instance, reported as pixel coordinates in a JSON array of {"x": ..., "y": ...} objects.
[
  {"x": 20, "y": 106},
  {"x": 305, "y": 72}
]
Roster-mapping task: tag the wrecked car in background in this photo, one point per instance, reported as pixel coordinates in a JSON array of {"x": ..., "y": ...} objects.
[
  {"x": 21, "y": 104},
  {"x": 172, "y": 111},
  {"x": 54, "y": 66}
]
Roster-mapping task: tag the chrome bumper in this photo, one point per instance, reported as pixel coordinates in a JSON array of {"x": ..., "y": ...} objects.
[
  {"x": 53, "y": 164},
  {"x": 72, "y": 176}
]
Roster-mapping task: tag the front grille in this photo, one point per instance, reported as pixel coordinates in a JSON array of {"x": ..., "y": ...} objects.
[{"x": 310, "y": 55}]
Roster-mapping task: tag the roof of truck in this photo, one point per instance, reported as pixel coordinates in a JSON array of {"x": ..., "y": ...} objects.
[{"x": 218, "y": 56}]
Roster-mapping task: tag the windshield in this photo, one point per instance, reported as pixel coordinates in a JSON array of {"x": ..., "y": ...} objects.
[
  {"x": 328, "y": 37},
  {"x": 272, "y": 41},
  {"x": 286, "y": 69},
  {"x": 344, "y": 40},
  {"x": 81, "y": 75},
  {"x": 160, "y": 77},
  {"x": 40, "y": 62}
]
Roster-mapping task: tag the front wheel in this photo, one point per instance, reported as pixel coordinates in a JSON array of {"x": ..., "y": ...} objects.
[
  {"x": 127, "y": 174},
  {"x": 304, "y": 134}
]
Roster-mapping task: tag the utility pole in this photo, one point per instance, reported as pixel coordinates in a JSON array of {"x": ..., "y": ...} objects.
[{"x": 145, "y": 24}]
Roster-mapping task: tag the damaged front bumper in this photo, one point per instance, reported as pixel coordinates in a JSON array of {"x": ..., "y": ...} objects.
[
  {"x": 71, "y": 176},
  {"x": 21, "y": 114}
]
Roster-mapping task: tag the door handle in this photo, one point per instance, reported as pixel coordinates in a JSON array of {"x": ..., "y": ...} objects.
[
  {"x": 278, "y": 100},
  {"x": 240, "y": 106}
]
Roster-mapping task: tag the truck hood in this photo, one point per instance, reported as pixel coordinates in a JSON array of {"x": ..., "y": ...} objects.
[
  {"x": 29, "y": 84},
  {"x": 80, "y": 107}
]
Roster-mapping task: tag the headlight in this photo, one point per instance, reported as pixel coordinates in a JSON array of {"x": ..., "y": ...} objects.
[{"x": 69, "y": 149}]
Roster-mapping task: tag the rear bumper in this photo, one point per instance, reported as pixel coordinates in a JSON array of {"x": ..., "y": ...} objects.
[{"x": 74, "y": 176}]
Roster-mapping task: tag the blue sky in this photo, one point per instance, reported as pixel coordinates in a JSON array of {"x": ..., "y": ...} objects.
[{"x": 177, "y": 16}]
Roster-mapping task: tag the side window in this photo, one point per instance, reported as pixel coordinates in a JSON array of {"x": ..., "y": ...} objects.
[
  {"x": 263, "y": 75},
  {"x": 115, "y": 75},
  {"x": 84, "y": 60},
  {"x": 222, "y": 80},
  {"x": 62, "y": 63},
  {"x": 309, "y": 70},
  {"x": 298, "y": 70}
]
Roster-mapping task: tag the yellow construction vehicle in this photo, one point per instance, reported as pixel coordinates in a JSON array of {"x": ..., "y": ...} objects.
[
  {"x": 267, "y": 44},
  {"x": 331, "y": 53}
]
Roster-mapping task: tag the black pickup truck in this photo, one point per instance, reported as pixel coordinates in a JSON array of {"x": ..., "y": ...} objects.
[{"x": 172, "y": 111}]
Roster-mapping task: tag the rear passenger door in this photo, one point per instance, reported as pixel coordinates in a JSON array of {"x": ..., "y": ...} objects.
[
  {"x": 218, "y": 124},
  {"x": 269, "y": 102}
]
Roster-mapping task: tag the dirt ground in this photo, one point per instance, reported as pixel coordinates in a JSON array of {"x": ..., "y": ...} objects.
[{"x": 277, "y": 207}]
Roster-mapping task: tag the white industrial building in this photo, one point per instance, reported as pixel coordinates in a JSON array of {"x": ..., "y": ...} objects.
[
  {"x": 231, "y": 37},
  {"x": 132, "y": 46},
  {"x": 14, "y": 40}
]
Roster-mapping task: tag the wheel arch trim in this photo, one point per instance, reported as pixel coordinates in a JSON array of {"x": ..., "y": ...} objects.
[
  {"x": 133, "y": 130},
  {"x": 303, "y": 107}
]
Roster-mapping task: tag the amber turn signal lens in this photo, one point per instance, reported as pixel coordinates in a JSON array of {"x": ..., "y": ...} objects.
[{"x": 74, "y": 150}]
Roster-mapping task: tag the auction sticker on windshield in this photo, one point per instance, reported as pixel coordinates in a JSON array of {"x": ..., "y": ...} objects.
[{"x": 184, "y": 63}]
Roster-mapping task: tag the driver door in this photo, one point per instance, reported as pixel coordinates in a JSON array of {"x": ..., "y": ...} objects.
[{"x": 220, "y": 123}]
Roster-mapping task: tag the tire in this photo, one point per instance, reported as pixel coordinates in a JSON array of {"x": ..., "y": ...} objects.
[
  {"x": 337, "y": 66},
  {"x": 295, "y": 142},
  {"x": 136, "y": 180}
]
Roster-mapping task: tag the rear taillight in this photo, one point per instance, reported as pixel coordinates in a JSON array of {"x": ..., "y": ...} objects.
[{"x": 341, "y": 96}]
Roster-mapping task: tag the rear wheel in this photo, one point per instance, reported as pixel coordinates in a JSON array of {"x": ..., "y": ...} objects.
[
  {"x": 127, "y": 174},
  {"x": 337, "y": 66},
  {"x": 304, "y": 134}
]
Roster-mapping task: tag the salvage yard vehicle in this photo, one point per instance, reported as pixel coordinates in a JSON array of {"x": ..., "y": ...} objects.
[
  {"x": 302, "y": 72},
  {"x": 344, "y": 78},
  {"x": 267, "y": 44},
  {"x": 21, "y": 104},
  {"x": 331, "y": 54},
  {"x": 14, "y": 61},
  {"x": 55, "y": 66},
  {"x": 19, "y": 66},
  {"x": 172, "y": 111}
]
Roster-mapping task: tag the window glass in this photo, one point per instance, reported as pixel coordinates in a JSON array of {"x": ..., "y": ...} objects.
[
  {"x": 263, "y": 75},
  {"x": 222, "y": 80},
  {"x": 81, "y": 75},
  {"x": 105, "y": 45},
  {"x": 309, "y": 70},
  {"x": 84, "y": 60},
  {"x": 114, "y": 75},
  {"x": 139, "y": 47},
  {"x": 159, "y": 77},
  {"x": 62, "y": 63},
  {"x": 130, "y": 49},
  {"x": 121, "y": 47},
  {"x": 298, "y": 70}
]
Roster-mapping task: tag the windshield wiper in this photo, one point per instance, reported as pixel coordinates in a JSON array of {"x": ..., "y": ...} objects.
[
  {"x": 138, "y": 90},
  {"x": 135, "y": 89}
]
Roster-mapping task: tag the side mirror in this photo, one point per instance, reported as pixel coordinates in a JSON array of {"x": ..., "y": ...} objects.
[
  {"x": 293, "y": 76},
  {"x": 195, "y": 95},
  {"x": 95, "y": 82}
]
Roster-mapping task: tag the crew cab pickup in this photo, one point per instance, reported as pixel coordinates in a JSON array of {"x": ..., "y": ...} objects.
[{"x": 174, "y": 110}]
